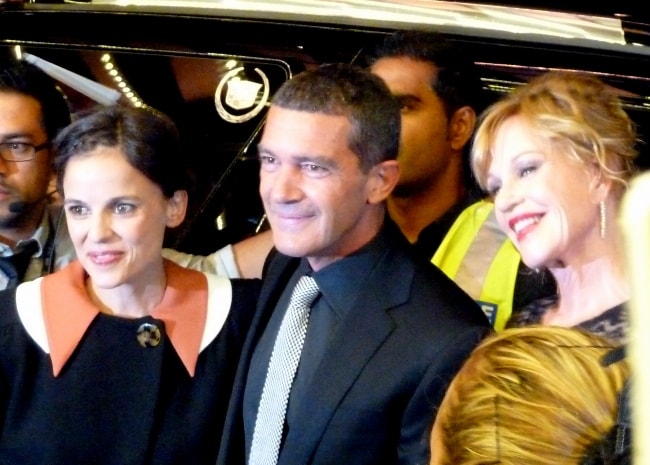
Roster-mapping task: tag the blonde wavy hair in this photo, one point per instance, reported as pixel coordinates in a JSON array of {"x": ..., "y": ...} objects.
[
  {"x": 569, "y": 112},
  {"x": 535, "y": 395}
]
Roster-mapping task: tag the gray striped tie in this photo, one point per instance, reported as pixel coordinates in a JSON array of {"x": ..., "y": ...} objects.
[{"x": 269, "y": 423}]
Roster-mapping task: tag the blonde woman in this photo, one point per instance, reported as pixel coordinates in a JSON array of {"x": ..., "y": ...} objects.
[
  {"x": 556, "y": 156},
  {"x": 536, "y": 395}
]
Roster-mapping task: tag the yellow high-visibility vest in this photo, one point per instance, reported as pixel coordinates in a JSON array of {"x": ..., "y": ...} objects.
[{"x": 481, "y": 259}]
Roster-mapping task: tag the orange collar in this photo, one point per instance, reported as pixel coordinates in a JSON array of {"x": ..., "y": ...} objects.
[{"x": 68, "y": 311}]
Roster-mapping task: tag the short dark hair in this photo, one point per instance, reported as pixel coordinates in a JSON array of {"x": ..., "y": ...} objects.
[
  {"x": 457, "y": 82},
  {"x": 149, "y": 139},
  {"x": 351, "y": 91},
  {"x": 26, "y": 79}
]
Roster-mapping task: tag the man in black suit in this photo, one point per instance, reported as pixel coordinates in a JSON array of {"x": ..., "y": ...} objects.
[{"x": 388, "y": 330}]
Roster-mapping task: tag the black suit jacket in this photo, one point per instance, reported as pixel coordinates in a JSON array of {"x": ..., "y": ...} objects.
[{"x": 373, "y": 397}]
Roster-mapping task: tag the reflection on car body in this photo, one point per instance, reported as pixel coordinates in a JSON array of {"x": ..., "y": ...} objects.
[{"x": 213, "y": 67}]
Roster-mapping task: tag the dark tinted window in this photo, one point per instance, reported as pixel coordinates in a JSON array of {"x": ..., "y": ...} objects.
[{"x": 218, "y": 103}]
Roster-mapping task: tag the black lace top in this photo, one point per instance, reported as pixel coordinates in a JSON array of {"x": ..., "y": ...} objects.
[{"x": 613, "y": 323}]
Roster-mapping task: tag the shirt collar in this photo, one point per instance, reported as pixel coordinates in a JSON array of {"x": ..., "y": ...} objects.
[
  {"x": 344, "y": 278},
  {"x": 40, "y": 236},
  {"x": 68, "y": 312},
  {"x": 432, "y": 235}
]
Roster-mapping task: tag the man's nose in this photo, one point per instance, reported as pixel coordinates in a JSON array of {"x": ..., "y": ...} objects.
[{"x": 284, "y": 185}]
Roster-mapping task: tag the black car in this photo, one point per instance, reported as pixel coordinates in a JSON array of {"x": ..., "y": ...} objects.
[{"x": 214, "y": 65}]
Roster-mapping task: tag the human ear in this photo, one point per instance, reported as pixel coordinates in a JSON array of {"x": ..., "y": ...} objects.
[
  {"x": 176, "y": 208},
  {"x": 461, "y": 127},
  {"x": 601, "y": 186},
  {"x": 382, "y": 180}
]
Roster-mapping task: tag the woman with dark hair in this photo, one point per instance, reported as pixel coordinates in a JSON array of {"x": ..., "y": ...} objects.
[{"x": 122, "y": 357}]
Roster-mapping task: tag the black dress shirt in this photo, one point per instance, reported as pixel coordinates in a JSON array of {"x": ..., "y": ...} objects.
[{"x": 339, "y": 284}]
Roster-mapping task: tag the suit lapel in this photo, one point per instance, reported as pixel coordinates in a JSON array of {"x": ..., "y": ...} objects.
[
  {"x": 348, "y": 353},
  {"x": 275, "y": 279}
]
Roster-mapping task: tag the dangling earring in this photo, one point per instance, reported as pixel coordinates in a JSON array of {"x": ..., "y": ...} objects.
[{"x": 603, "y": 220}]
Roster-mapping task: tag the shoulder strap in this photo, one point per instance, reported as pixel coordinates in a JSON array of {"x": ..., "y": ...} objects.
[{"x": 480, "y": 258}]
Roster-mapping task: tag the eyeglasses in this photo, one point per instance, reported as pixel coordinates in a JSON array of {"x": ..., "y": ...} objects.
[{"x": 20, "y": 151}]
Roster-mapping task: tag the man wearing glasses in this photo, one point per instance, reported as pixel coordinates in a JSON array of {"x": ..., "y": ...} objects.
[{"x": 33, "y": 239}]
